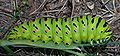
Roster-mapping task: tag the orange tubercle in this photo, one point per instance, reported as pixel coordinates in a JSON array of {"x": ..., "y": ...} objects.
[
  {"x": 35, "y": 30},
  {"x": 47, "y": 30}
]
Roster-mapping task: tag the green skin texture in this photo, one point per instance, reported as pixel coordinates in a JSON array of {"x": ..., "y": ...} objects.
[{"x": 78, "y": 30}]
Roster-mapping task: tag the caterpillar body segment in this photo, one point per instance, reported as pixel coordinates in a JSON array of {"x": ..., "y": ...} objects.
[
  {"x": 58, "y": 31},
  {"x": 84, "y": 28},
  {"x": 67, "y": 31},
  {"x": 78, "y": 30}
]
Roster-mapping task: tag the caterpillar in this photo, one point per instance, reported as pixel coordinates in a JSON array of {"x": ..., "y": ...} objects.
[{"x": 78, "y": 30}]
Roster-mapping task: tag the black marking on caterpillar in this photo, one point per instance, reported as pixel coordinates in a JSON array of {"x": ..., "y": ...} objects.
[{"x": 85, "y": 29}]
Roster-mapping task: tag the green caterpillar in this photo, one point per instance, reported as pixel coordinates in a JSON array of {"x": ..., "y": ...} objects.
[{"x": 85, "y": 29}]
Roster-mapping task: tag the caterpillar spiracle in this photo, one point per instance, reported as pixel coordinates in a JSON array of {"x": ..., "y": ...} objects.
[{"x": 84, "y": 29}]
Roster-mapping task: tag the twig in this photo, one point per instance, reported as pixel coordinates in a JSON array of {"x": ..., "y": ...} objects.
[
  {"x": 116, "y": 35},
  {"x": 6, "y": 14},
  {"x": 41, "y": 53},
  {"x": 15, "y": 6},
  {"x": 73, "y": 7},
  {"x": 51, "y": 52},
  {"x": 102, "y": 9},
  {"x": 104, "y": 13},
  {"x": 111, "y": 20},
  {"x": 40, "y": 7},
  {"x": 118, "y": 7},
  {"x": 110, "y": 54},
  {"x": 50, "y": 11},
  {"x": 107, "y": 7},
  {"x": 112, "y": 47},
  {"x": 62, "y": 7},
  {"x": 49, "y": 16},
  {"x": 106, "y": 2},
  {"x": 114, "y": 6},
  {"x": 17, "y": 50},
  {"x": 2, "y": 54},
  {"x": 78, "y": 48},
  {"x": 73, "y": 52},
  {"x": 6, "y": 9}
]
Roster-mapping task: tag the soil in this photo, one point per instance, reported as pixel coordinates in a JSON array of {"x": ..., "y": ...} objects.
[{"x": 30, "y": 9}]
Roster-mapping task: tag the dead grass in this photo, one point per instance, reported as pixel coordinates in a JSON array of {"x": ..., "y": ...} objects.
[{"x": 108, "y": 9}]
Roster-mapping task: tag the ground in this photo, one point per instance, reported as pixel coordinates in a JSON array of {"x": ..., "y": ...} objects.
[{"x": 29, "y": 9}]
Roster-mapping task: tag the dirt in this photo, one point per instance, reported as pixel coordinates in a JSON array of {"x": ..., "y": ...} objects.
[{"x": 30, "y": 9}]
